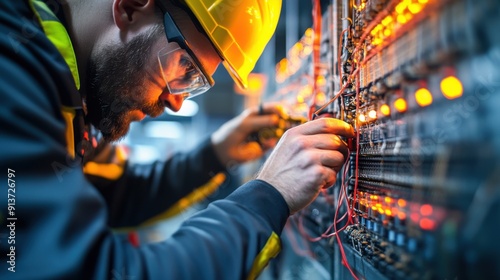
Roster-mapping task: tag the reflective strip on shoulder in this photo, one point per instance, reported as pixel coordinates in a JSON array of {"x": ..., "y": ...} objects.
[
  {"x": 270, "y": 250},
  {"x": 110, "y": 171},
  {"x": 69, "y": 115},
  {"x": 108, "y": 164},
  {"x": 57, "y": 34},
  {"x": 194, "y": 197}
]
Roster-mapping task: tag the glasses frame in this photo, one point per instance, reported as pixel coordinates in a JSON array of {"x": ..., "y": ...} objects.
[{"x": 173, "y": 34}]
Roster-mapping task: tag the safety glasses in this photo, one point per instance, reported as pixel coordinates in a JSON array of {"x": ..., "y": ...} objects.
[{"x": 181, "y": 70}]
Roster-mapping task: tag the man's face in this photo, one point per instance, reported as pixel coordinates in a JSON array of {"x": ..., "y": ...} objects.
[
  {"x": 126, "y": 81},
  {"x": 125, "y": 85}
]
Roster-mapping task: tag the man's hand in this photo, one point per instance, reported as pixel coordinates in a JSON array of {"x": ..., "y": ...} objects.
[
  {"x": 231, "y": 141},
  {"x": 307, "y": 159}
]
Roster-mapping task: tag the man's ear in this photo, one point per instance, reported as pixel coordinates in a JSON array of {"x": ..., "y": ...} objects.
[{"x": 128, "y": 12}]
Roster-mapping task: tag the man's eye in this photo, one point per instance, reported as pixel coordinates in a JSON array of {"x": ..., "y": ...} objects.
[{"x": 187, "y": 64}]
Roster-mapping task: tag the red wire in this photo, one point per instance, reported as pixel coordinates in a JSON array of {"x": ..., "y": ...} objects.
[
  {"x": 293, "y": 241},
  {"x": 303, "y": 231},
  {"x": 349, "y": 208}
]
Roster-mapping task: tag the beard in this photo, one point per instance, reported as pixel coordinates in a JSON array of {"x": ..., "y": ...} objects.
[{"x": 117, "y": 85}]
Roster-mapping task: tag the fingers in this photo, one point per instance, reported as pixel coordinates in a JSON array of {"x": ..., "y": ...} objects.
[
  {"x": 327, "y": 125},
  {"x": 329, "y": 142},
  {"x": 331, "y": 159}
]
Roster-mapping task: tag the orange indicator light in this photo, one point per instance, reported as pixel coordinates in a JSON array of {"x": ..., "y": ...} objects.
[
  {"x": 423, "y": 97},
  {"x": 426, "y": 210},
  {"x": 401, "y": 215},
  {"x": 402, "y": 19},
  {"x": 427, "y": 224},
  {"x": 385, "y": 110},
  {"x": 401, "y": 202},
  {"x": 372, "y": 114},
  {"x": 400, "y": 105},
  {"x": 415, "y": 8},
  {"x": 451, "y": 87}
]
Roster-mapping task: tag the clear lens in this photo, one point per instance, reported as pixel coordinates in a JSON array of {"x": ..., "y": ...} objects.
[{"x": 180, "y": 72}]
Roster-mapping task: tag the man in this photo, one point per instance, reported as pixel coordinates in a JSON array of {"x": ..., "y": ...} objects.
[{"x": 71, "y": 66}]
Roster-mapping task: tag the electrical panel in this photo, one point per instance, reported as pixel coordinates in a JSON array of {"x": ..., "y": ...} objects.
[{"x": 419, "y": 197}]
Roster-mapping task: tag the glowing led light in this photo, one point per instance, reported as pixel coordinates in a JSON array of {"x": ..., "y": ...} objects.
[
  {"x": 402, "y": 19},
  {"x": 415, "y": 8},
  {"x": 388, "y": 212},
  {"x": 400, "y": 105},
  {"x": 423, "y": 1},
  {"x": 307, "y": 50},
  {"x": 377, "y": 41},
  {"x": 309, "y": 32},
  {"x": 401, "y": 7},
  {"x": 374, "y": 208},
  {"x": 300, "y": 99},
  {"x": 385, "y": 110},
  {"x": 402, "y": 215},
  {"x": 423, "y": 97},
  {"x": 427, "y": 224},
  {"x": 320, "y": 97},
  {"x": 401, "y": 202},
  {"x": 387, "y": 20},
  {"x": 426, "y": 210},
  {"x": 387, "y": 32},
  {"x": 298, "y": 46},
  {"x": 372, "y": 114},
  {"x": 388, "y": 199},
  {"x": 361, "y": 118},
  {"x": 321, "y": 81},
  {"x": 375, "y": 197},
  {"x": 451, "y": 87},
  {"x": 380, "y": 210}
]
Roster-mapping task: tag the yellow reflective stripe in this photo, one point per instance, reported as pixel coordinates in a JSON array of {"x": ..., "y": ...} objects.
[
  {"x": 192, "y": 198},
  {"x": 68, "y": 115},
  {"x": 43, "y": 11},
  {"x": 57, "y": 34},
  {"x": 270, "y": 250},
  {"x": 110, "y": 171},
  {"x": 120, "y": 155}
]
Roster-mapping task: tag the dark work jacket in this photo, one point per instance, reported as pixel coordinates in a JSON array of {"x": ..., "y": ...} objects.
[{"x": 57, "y": 222}]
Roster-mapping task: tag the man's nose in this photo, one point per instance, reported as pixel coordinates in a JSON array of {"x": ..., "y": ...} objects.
[{"x": 174, "y": 101}]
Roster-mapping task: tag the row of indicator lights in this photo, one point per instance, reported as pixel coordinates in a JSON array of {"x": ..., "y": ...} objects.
[
  {"x": 398, "y": 208},
  {"x": 292, "y": 63},
  {"x": 451, "y": 88},
  {"x": 403, "y": 13}
]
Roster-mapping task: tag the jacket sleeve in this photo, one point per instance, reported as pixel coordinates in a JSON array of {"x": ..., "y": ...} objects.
[
  {"x": 61, "y": 229},
  {"x": 143, "y": 191}
]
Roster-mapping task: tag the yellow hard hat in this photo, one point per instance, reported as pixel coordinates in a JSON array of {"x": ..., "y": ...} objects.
[{"x": 239, "y": 30}]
